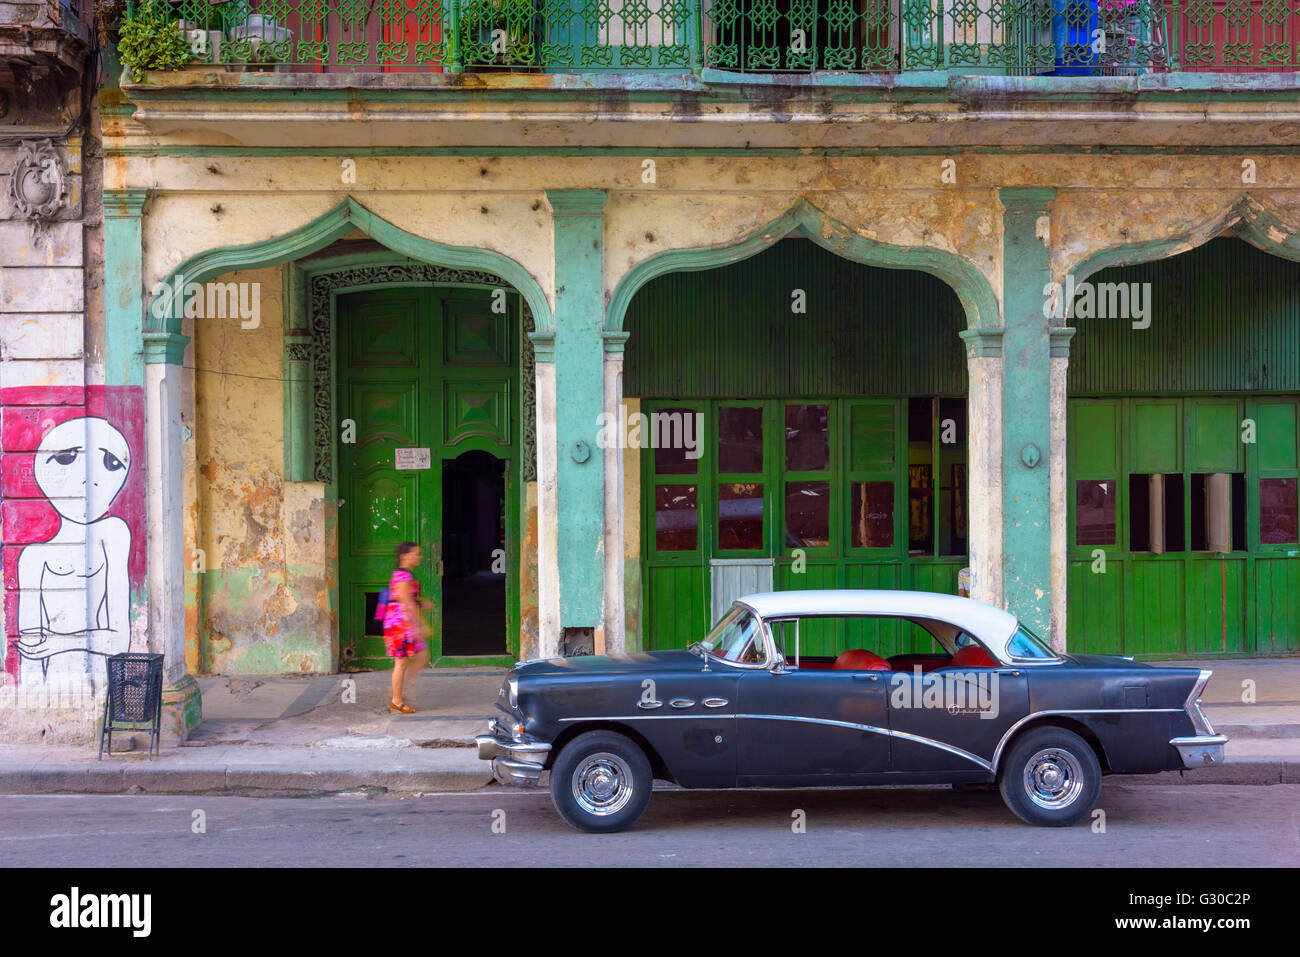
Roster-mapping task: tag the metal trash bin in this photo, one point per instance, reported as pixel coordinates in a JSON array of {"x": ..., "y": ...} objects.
[{"x": 134, "y": 698}]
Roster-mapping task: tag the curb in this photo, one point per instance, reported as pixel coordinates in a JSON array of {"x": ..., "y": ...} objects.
[
  {"x": 74, "y": 780},
  {"x": 263, "y": 781},
  {"x": 1234, "y": 772}
]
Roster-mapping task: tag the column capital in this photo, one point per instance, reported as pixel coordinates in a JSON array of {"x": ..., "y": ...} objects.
[
  {"x": 576, "y": 202},
  {"x": 615, "y": 341},
  {"x": 164, "y": 347},
  {"x": 125, "y": 203},
  {"x": 543, "y": 346},
  {"x": 1061, "y": 336},
  {"x": 982, "y": 343}
]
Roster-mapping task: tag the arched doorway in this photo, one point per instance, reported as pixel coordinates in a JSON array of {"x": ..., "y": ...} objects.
[
  {"x": 1184, "y": 456},
  {"x": 804, "y": 426}
]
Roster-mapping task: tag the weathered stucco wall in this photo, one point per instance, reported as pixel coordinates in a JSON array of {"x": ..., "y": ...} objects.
[
  {"x": 264, "y": 561},
  {"x": 262, "y": 604}
]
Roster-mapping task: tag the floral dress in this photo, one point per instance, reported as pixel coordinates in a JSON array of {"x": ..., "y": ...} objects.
[{"x": 401, "y": 637}]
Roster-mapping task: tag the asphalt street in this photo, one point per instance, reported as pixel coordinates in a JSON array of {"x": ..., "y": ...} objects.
[{"x": 1145, "y": 825}]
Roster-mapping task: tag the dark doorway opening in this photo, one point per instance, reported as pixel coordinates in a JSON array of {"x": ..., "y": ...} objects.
[{"x": 473, "y": 555}]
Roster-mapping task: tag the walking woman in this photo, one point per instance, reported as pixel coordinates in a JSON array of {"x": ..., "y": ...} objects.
[{"x": 405, "y": 630}]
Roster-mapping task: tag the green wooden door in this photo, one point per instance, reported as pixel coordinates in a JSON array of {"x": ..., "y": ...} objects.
[
  {"x": 388, "y": 346},
  {"x": 1183, "y": 528},
  {"x": 433, "y": 370}
]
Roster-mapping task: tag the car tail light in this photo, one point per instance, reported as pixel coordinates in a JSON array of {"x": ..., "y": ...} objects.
[{"x": 1193, "y": 705}]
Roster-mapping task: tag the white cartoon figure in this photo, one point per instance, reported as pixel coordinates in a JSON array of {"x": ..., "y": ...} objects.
[{"x": 74, "y": 589}]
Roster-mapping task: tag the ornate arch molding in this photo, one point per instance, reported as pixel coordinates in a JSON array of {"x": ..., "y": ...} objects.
[
  {"x": 1247, "y": 218},
  {"x": 319, "y": 233},
  {"x": 805, "y": 219},
  {"x": 309, "y": 340}
]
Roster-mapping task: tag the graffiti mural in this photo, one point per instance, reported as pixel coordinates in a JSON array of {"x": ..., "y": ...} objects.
[{"x": 73, "y": 529}]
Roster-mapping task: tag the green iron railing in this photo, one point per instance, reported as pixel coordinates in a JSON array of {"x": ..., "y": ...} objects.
[{"x": 1007, "y": 37}]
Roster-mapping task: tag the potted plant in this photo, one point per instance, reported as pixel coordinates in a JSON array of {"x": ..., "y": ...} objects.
[
  {"x": 151, "y": 39},
  {"x": 502, "y": 35}
]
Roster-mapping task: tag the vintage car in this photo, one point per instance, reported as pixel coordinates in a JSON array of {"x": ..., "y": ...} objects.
[{"x": 743, "y": 708}]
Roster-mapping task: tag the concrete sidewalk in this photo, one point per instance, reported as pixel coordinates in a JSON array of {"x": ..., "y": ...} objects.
[{"x": 314, "y": 734}]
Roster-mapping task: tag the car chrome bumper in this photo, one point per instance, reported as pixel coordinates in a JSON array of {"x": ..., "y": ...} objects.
[
  {"x": 513, "y": 761},
  {"x": 1204, "y": 751}
]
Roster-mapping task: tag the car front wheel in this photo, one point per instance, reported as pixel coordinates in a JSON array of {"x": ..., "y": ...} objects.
[
  {"x": 601, "y": 782},
  {"x": 1051, "y": 777}
]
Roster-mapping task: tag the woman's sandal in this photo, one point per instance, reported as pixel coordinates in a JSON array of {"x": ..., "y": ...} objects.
[{"x": 400, "y": 708}]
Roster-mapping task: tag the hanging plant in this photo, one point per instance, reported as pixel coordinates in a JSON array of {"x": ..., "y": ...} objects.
[{"x": 152, "y": 40}]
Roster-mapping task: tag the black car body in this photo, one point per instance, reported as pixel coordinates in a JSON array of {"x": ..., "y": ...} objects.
[{"x": 743, "y": 709}]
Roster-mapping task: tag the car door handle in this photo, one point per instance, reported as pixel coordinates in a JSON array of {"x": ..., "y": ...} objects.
[
  {"x": 715, "y": 702},
  {"x": 866, "y": 677},
  {"x": 682, "y": 702}
]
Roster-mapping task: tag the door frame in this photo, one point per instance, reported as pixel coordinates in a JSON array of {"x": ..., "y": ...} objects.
[{"x": 297, "y": 281}]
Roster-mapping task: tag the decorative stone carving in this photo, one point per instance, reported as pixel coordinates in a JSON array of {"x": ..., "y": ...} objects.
[{"x": 38, "y": 184}]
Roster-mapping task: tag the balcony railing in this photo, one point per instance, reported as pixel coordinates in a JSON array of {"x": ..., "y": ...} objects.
[{"x": 1005, "y": 37}]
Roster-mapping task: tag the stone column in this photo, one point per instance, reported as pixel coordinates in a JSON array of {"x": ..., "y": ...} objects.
[
  {"x": 548, "y": 566},
  {"x": 163, "y": 351},
  {"x": 579, "y": 402},
  {"x": 1060, "y": 353},
  {"x": 615, "y": 638},
  {"x": 984, "y": 450},
  {"x": 1027, "y": 409}
]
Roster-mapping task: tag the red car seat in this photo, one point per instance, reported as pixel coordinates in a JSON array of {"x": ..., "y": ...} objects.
[
  {"x": 972, "y": 656},
  {"x": 859, "y": 659}
]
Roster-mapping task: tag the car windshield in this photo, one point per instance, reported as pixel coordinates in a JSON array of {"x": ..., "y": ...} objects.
[
  {"x": 1026, "y": 644},
  {"x": 737, "y": 637}
]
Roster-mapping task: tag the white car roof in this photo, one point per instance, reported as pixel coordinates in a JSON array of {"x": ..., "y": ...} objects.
[{"x": 993, "y": 626}]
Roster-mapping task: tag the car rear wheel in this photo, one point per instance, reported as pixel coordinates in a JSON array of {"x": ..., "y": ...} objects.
[
  {"x": 1051, "y": 777},
  {"x": 601, "y": 782}
]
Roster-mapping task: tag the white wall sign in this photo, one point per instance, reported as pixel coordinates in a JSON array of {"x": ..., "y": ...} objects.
[{"x": 414, "y": 459}]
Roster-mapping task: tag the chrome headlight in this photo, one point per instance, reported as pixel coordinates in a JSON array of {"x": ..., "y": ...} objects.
[{"x": 513, "y": 685}]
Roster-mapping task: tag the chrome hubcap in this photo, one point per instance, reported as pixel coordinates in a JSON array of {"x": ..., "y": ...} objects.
[
  {"x": 602, "y": 784},
  {"x": 1053, "y": 778}
]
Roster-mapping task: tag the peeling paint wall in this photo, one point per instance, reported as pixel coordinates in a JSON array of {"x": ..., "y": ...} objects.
[{"x": 261, "y": 549}]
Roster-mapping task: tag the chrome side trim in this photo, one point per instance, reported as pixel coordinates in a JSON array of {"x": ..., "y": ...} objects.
[
  {"x": 872, "y": 729},
  {"x": 647, "y": 717},
  {"x": 869, "y": 728},
  {"x": 682, "y": 703},
  {"x": 715, "y": 702},
  {"x": 650, "y": 705},
  {"x": 1002, "y": 743}
]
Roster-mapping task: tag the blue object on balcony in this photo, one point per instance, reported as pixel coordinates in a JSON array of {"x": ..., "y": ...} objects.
[{"x": 1074, "y": 23}]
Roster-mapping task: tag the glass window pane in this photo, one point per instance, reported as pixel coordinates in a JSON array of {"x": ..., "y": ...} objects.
[
  {"x": 873, "y": 514},
  {"x": 676, "y": 518},
  {"x": 1278, "y": 522},
  {"x": 807, "y": 438},
  {"x": 1094, "y": 512},
  {"x": 807, "y": 514},
  {"x": 740, "y": 515},
  {"x": 675, "y": 435},
  {"x": 740, "y": 440}
]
